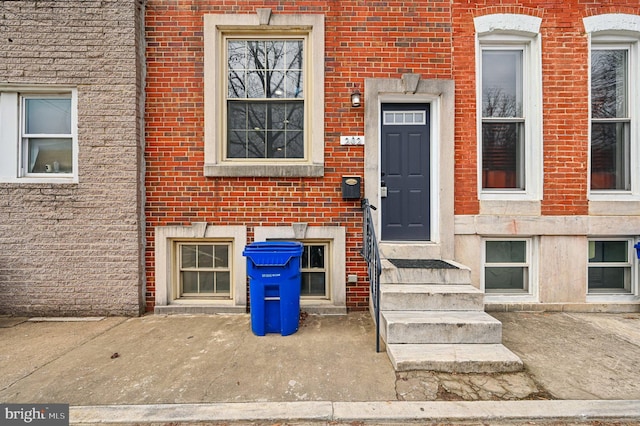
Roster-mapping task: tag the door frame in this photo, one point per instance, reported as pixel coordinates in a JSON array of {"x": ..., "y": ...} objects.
[{"x": 440, "y": 95}]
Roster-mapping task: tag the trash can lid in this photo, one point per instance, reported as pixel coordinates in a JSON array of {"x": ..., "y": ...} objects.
[
  {"x": 272, "y": 253},
  {"x": 274, "y": 245}
]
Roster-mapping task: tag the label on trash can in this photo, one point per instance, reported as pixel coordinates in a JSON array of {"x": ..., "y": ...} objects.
[{"x": 271, "y": 275}]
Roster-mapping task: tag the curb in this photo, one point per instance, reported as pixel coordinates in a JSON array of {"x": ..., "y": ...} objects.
[{"x": 391, "y": 411}]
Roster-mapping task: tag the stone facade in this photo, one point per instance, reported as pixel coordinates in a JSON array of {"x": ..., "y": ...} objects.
[{"x": 76, "y": 248}]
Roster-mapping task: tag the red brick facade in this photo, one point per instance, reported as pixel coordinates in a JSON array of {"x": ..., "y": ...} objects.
[{"x": 435, "y": 39}]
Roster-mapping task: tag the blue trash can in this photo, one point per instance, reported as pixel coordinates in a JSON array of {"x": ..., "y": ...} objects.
[{"x": 274, "y": 273}]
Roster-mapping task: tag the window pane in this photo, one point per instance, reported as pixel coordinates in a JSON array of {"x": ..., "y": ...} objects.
[
  {"x": 265, "y": 68},
  {"x": 316, "y": 254},
  {"x": 313, "y": 284},
  {"x": 506, "y": 251},
  {"x": 221, "y": 256},
  {"x": 610, "y": 159},
  {"x": 502, "y": 155},
  {"x": 502, "y": 83},
  {"x": 49, "y": 155},
  {"x": 205, "y": 256},
  {"x": 506, "y": 279},
  {"x": 609, "y": 83},
  {"x": 189, "y": 281},
  {"x": 612, "y": 279},
  {"x": 265, "y": 130},
  {"x": 48, "y": 116},
  {"x": 188, "y": 256},
  {"x": 608, "y": 251},
  {"x": 206, "y": 282},
  {"x": 223, "y": 280}
]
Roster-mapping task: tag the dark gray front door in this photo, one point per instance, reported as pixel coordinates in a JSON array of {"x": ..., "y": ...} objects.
[{"x": 405, "y": 167}]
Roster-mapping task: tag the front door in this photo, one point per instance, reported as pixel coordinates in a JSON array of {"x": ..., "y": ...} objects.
[{"x": 404, "y": 169}]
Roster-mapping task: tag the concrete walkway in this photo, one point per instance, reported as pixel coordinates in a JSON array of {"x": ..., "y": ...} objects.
[{"x": 184, "y": 369}]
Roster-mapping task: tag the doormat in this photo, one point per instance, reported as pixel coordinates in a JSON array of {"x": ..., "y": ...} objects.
[{"x": 422, "y": 263}]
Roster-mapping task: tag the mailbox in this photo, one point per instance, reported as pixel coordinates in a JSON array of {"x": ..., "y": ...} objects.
[{"x": 351, "y": 187}]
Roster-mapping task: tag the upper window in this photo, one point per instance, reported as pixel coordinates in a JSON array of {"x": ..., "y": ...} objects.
[
  {"x": 610, "y": 118},
  {"x": 264, "y": 106},
  {"x": 38, "y": 136},
  {"x": 509, "y": 107},
  {"x": 265, "y": 99},
  {"x": 503, "y": 122},
  {"x": 614, "y": 151}
]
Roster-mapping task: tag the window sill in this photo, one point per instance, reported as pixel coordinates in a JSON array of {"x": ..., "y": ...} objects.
[
  {"x": 38, "y": 180},
  {"x": 507, "y": 195},
  {"x": 509, "y": 298},
  {"x": 264, "y": 170},
  {"x": 611, "y": 298}
]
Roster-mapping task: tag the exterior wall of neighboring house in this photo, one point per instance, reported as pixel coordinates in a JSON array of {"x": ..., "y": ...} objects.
[
  {"x": 573, "y": 228},
  {"x": 71, "y": 160},
  {"x": 540, "y": 224}
]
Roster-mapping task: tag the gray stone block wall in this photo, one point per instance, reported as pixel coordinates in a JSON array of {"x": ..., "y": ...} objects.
[{"x": 76, "y": 249}]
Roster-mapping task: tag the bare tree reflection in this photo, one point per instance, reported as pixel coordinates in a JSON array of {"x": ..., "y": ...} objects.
[{"x": 265, "y": 99}]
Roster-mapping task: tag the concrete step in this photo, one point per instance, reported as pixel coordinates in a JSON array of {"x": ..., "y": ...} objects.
[
  {"x": 439, "y": 327},
  {"x": 409, "y": 271},
  {"x": 454, "y": 358},
  {"x": 433, "y": 297}
]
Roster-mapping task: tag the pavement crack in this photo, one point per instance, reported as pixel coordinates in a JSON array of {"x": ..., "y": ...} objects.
[{"x": 62, "y": 355}]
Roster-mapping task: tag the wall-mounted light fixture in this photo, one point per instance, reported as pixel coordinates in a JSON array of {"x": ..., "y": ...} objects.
[{"x": 356, "y": 98}]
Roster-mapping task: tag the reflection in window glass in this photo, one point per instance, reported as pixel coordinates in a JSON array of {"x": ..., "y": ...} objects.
[
  {"x": 610, "y": 122},
  {"x": 265, "y": 99},
  {"x": 503, "y": 123}
]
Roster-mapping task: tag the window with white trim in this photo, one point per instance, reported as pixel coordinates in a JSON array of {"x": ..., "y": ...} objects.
[
  {"x": 204, "y": 269},
  {"x": 615, "y": 104},
  {"x": 507, "y": 266},
  {"x": 613, "y": 155},
  {"x": 611, "y": 266},
  {"x": 38, "y": 135},
  {"x": 509, "y": 107},
  {"x": 264, "y": 99}
]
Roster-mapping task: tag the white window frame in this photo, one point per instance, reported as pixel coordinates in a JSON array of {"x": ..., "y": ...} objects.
[
  {"x": 632, "y": 264},
  {"x": 509, "y": 32},
  {"x": 531, "y": 295},
  {"x": 619, "y": 31},
  {"x": 13, "y": 160},
  {"x": 217, "y": 29}
]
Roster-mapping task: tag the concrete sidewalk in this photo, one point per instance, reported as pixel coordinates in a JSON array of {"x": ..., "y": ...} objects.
[{"x": 181, "y": 369}]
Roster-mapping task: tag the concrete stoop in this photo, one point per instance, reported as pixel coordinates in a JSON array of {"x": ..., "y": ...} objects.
[{"x": 433, "y": 319}]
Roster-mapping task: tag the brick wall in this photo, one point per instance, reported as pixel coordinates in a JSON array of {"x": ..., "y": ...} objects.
[
  {"x": 75, "y": 249},
  {"x": 362, "y": 40},
  {"x": 565, "y": 67}
]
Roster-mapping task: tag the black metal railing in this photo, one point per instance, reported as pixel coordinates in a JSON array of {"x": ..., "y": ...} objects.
[{"x": 371, "y": 254}]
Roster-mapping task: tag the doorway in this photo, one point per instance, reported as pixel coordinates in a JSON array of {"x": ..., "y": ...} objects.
[{"x": 405, "y": 168}]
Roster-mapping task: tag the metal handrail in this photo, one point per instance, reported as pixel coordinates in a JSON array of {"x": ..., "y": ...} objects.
[{"x": 371, "y": 254}]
